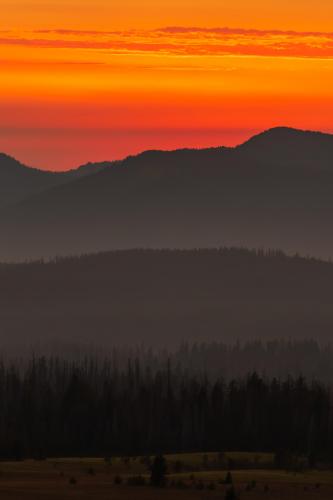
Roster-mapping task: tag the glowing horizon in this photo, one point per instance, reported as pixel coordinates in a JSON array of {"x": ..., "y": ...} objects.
[{"x": 105, "y": 83}]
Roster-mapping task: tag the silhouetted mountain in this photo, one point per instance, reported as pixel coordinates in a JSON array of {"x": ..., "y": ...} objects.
[
  {"x": 88, "y": 169},
  {"x": 165, "y": 297},
  {"x": 274, "y": 191},
  {"x": 17, "y": 181},
  {"x": 292, "y": 148}
]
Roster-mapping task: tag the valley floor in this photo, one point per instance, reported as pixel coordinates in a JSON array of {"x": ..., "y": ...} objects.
[{"x": 57, "y": 479}]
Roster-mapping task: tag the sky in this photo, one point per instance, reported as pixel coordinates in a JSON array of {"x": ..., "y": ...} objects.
[{"x": 94, "y": 80}]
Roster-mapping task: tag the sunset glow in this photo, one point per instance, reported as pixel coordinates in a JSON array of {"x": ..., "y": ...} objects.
[{"x": 84, "y": 80}]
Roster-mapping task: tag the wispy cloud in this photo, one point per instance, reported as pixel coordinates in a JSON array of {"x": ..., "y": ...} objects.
[
  {"x": 179, "y": 40},
  {"x": 242, "y": 31}
]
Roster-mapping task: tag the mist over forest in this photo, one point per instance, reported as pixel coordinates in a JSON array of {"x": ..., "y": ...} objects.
[
  {"x": 162, "y": 298},
  {"x": 117, "y": 296},
  {"x": 273, "y": 191}
]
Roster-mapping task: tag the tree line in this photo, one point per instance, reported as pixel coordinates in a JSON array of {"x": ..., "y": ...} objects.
[
  {"x": 271, "y": 358},
  {"x": 161, "y": 297},
  {"x": 58, "y": 407}
]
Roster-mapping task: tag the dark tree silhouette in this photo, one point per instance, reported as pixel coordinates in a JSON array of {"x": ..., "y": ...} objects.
[
  {"x": 58, "y": 407},
  {"x": 230, "y": 494},
  {"x": 228, "y": 478},
  {"x": 158, "y": 472}
]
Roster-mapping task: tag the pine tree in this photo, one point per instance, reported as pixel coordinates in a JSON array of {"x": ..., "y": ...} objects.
[{"x": 158, "y": 472}]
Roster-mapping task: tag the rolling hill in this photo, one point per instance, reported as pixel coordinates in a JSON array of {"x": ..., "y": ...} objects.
[
  {"x": 161, "y": 298},
  {"x": 18, "y": 181},
  {"x": 274, "y": 191}
]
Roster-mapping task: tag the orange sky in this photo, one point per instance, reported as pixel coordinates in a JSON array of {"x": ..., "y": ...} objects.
[{"x": 99, "y": 79}]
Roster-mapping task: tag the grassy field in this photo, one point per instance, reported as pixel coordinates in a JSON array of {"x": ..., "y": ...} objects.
[{"x": 199, "y": 478}]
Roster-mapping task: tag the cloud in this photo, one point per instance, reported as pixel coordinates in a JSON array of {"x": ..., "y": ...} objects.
[
  {"x": 242, "y": 31},
  {"x": 178, "y": 40}
]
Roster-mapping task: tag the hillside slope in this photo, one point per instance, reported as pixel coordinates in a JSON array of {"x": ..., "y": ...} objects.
[
  {"x": 165, "y": 297},
  {"x": 274, "y": 191},
  {"x": 18, "y": 181}
]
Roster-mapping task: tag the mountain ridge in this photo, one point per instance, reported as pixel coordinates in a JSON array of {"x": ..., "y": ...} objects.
[
  {"x": 10, "y": 158},
  {"x": 19, "y": 181},
  {"x": 164, "y": 297},
  {"x": 275, "y": 190},
  {"x": 282, "y": 131}
]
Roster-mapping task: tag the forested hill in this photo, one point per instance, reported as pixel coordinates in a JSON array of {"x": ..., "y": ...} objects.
[
  {"x": 164, "y": 297},
  {"x": 18, "y": 181},
  {"x": 275, "y": 191}
]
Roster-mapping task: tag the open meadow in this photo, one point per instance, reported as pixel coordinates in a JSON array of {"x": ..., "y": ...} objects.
[{"x": 190, "y": 476}]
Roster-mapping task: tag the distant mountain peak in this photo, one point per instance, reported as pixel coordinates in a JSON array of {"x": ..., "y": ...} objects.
[
  {"x": 279, "y": 130},
  {"x": 290, "y": 147},
  {"x": 287, "y": 133}
]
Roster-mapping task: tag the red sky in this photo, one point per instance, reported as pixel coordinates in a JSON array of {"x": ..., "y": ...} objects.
[{"x": 88, "y": 80}]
